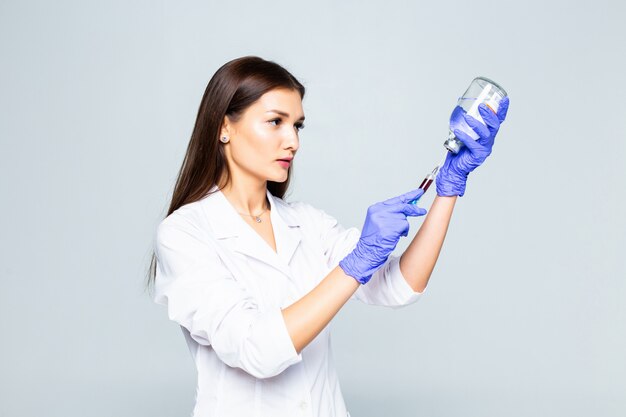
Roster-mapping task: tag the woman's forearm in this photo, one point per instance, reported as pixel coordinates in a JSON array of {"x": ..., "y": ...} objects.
[
  {"x": 308, "y": 316},
  {"x": 418, "y": 260}
]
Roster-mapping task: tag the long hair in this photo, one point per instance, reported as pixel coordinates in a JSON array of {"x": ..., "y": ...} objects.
[{"x": 233, "y": 88}]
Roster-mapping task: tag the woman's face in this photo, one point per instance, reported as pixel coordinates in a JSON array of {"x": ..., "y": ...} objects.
[{"x": 266, "y": 133}]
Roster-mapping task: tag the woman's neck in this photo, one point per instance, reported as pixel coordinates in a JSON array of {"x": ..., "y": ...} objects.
[{"x": 247, "y": 198}]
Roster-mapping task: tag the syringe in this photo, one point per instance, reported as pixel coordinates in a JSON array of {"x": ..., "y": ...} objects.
[{"x": 426, "y": 183}]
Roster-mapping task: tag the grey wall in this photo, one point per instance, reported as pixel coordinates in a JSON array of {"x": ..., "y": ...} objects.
[{"x": 524, "y": 314}]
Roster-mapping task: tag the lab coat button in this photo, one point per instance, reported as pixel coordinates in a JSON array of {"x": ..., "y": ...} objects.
[{"x": 303, "y": 405}]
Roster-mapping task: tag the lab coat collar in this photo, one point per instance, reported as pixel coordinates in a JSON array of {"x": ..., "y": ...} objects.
[{"x": 230, "y": 228}]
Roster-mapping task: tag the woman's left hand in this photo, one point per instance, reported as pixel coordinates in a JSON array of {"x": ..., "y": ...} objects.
[{"x": 452, "y": 176}]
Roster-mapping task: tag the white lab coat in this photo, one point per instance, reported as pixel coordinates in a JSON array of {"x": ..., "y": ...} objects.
[{"x": 225, "y": 286}]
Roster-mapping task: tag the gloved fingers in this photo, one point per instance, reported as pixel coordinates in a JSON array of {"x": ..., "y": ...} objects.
[
  {"x": 404, "y": 198},
  {"x": 411, "y": 210},
  {"x": 481, "y": 130},
  {"x": 490, "y": 118},
  {"x": 467, "y": 140},
  {"x": 486, "y": 134},
  {"x": 503, "y": 109}
]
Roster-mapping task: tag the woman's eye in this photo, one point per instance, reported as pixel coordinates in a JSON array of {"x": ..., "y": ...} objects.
[{"x": 298, "y": 126}]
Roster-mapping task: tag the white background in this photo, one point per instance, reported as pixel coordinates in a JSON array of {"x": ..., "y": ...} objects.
[{"x": 524, "y": 314}]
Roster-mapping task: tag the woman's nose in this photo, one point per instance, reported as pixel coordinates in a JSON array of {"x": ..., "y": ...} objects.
[{"x": 292, "y": 141}]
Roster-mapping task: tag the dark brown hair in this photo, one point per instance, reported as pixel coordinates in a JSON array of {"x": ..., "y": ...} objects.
[{"x": 233, "y": 88}]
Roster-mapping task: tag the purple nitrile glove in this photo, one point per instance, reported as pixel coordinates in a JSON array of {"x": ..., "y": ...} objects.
[
  {"x": 384, "y": 224},
  {"x": 452, "y": 176}
]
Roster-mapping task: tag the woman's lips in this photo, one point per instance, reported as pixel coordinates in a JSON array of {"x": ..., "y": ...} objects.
[{"x": 283, "y": 163}]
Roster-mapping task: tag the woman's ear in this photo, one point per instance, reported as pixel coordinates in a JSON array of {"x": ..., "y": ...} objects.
[{"x": 227, "y": 129}]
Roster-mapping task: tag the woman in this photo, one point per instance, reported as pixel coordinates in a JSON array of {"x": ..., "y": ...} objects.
[{"x": 253, "y": 280}]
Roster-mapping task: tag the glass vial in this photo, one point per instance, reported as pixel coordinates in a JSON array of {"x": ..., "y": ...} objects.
[{"x": 481, "y": 90}]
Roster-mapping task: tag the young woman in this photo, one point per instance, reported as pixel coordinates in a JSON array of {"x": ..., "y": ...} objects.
[{"x": 254, "y": 280}]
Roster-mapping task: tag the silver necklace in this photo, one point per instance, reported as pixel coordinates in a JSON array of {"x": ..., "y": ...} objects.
[{"x": 256, "y": 217}]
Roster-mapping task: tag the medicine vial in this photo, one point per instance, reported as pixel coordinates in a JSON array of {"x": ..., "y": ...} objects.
[{"x": 481, "y": 90}]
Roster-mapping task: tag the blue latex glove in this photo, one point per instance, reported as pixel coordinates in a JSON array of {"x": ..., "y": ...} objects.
[
  {"x": 384, "y": 224},
  {"x": 452, "y": 176}
]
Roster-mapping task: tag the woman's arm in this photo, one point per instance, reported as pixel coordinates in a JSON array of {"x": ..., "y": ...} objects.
[
  {"x": 418, "y": 260},
  {"x": 308, "y": 316}
]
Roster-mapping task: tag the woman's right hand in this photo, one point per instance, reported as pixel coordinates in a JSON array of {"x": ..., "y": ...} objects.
[{"x": 384, "y": 224}]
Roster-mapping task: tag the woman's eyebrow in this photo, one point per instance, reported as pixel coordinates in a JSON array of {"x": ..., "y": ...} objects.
[{"x": 282, "y": 113}]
